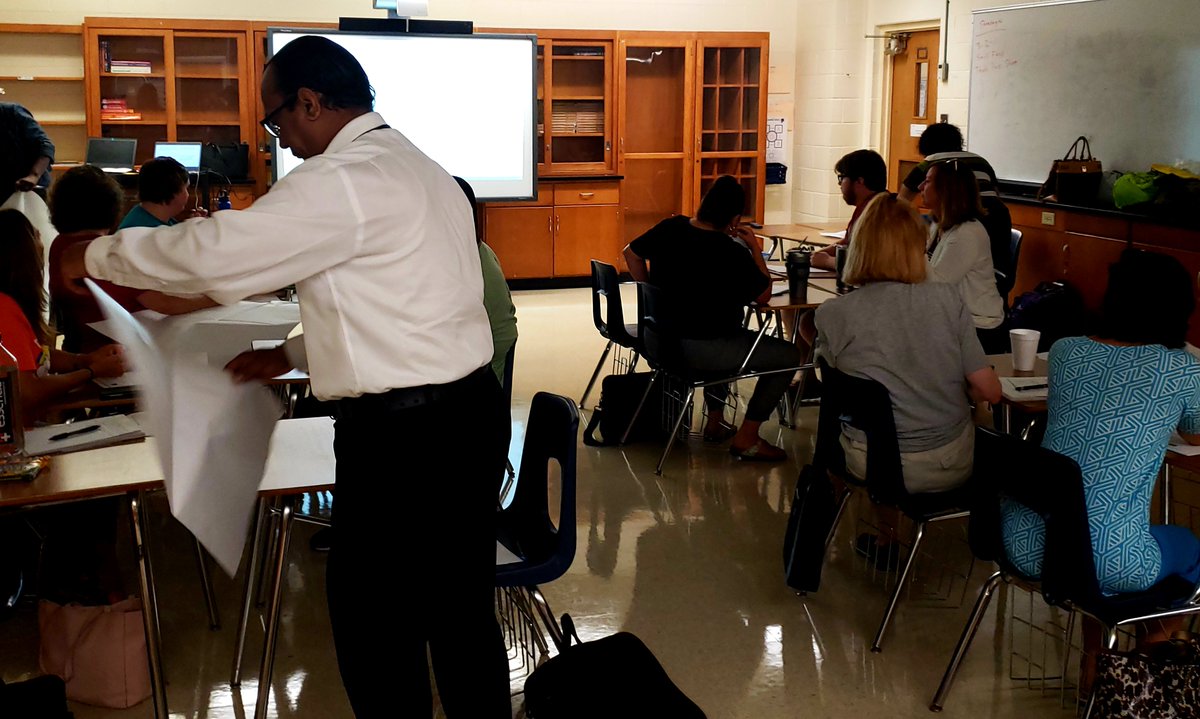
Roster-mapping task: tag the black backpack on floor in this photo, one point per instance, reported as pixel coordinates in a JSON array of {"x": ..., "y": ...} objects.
[
  {"x": 619, "y": 397},
  {"x": 615, "y": 676},
  {"x": 42, "y": 697}
]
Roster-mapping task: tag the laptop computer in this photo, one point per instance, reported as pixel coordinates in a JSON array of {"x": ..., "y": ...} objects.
[
  {"x": 187, "y": 153},
  {"x": 112, "y": 154}
]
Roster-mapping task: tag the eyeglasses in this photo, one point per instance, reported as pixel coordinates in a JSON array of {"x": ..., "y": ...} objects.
[
  {"x": 841, "y": 178},
  {"x": 268, "y": 124}
]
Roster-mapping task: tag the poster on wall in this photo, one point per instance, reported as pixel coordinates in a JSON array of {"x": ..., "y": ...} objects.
[{"x": 776, "y": 138}]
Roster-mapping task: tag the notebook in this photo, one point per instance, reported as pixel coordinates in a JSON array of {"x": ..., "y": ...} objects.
[
  {"x": 77, "y": 436},
  {"x": 112, "y": 154},
  {"x": 187, "y": 153},
  {"x": 1024, "y": 389}
]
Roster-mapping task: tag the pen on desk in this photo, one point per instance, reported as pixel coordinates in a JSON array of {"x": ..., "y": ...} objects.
[
  {"x": 1028, "y": 387},
  {"x": 75, "y": 433}
]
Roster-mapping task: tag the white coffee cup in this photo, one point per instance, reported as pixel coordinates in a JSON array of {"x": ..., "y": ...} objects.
[{"x": 1024, "y": 348}]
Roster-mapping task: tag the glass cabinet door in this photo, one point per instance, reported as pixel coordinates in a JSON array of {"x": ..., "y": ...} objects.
[
  {"x": 208, "y": 89},
  {"x": 135, "y": 98},
  {"x": 579, "y": 133}
]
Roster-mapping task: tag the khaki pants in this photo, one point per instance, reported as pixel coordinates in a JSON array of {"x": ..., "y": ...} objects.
[{"x": 934, "y": 470}]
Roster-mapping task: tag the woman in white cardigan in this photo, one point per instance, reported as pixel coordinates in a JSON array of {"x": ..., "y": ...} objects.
[{"x": 959, "y": 249}]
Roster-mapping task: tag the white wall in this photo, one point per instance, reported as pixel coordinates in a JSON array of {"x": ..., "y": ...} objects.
[
  {"x": 840, "y": 78},
  {"x": 775, "y": 16}
]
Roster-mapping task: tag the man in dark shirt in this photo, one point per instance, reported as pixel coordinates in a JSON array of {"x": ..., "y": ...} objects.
[
  {"x": 25, "y": 151},
  {"x": 861, "y": 175}
]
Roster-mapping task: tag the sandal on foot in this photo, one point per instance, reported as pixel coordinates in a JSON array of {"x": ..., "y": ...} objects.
[
  {"x": 722, "y": 433},
  {"x": 760, "y": 451}
]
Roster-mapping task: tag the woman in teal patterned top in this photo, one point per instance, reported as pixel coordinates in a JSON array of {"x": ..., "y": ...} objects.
[{"x": 1114, "y": 400}]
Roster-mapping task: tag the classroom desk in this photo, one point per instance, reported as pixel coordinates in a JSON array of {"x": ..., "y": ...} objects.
[
  {"x": 130, "y": 470},
  {"x": 799, "y": 233}
]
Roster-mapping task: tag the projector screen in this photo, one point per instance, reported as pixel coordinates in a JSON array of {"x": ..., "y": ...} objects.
[{"x": 467, "y": 101}]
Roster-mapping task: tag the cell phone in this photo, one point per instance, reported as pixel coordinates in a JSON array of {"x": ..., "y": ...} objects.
[
  {"x": 753, "y": 225},
  {"x": 15, "y": 469}
]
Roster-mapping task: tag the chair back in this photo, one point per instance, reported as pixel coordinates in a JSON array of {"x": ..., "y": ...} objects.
[
  {"x": 661, "y": 345},
  {"x": 607, "y": 312},
  {"x": 507, "y": 385},
  {"x": 866, "y": 405},
  {"x": 1050, "y": 485},
  {"x": 551, "y": 432},
  {"x": 1014, "y": 256}
]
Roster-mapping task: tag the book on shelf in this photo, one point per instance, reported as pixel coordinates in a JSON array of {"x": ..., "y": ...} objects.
[
  {"x": 130, "y": 69},
  {"x": 106, "y": 55}
]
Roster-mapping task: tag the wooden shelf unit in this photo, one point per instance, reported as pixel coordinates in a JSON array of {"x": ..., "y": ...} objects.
[
  {"x": 198, "y": 88},
  {"x": 42, "y": 69}
]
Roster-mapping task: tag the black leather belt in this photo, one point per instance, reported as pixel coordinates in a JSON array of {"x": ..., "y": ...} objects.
[{"x": 401, "y": 398}]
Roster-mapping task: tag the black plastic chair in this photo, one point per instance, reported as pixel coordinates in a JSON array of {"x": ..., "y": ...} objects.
[
  {"x": 1006, "y": 278},
  {"x": 866, "y": 405},
  {"x": 663, "y": 351},
  {"x": 1051, "y": 485},
  {"x": 609, "y": 317},
  {"x": 525, "y": 529}
]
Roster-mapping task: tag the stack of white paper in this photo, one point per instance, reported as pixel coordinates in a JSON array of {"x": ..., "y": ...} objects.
[
  {"x": 77, "y": 436},
  {"x": 1024, "y": 389}
]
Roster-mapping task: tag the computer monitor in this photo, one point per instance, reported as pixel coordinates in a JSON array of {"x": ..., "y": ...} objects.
[
  {"x": 187, "y": 153},
  {"x": 112, "y": 154}
]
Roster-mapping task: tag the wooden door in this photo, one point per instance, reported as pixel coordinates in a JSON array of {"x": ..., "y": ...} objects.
[
  {"x": 523, "y": 240},
  {"x": 138, "y": 105},
  {"x": 913, "y": 102},
  {"x": 583, "y": 233},
  {"x": 577, "y": 100},
  {"x": 657, "y": 101}
]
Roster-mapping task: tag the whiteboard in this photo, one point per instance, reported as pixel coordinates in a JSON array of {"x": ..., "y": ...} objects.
[
  {"x": 1125, "y": 73},
  {"x": 466, "y": 101}
]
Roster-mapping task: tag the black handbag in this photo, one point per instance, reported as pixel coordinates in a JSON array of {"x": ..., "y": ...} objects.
[
  {"x": 814, "y": 509},
  {"x": 1163, "y": 683},
  {"x": 229, "y": 159},
  {"x": 614, "y": 676},
  {"x": 619, "y": 397}
]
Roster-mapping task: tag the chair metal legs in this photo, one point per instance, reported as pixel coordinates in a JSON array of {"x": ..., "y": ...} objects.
[
  {"x": 210, "y": 600},
  {"x": 595, "y": 373},
  {"x": 964, "y": 642},
  {"x": 891, "y": 607},
  {"x": 684, "y": 412}
]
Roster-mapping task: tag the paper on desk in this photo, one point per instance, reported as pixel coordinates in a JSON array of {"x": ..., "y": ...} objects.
[
  {"x": 1178, "y": 446},
  {"x": 301, "y": 454},
  {"x": 112, "y": 430},
  {"x": 839, "y": 235},
  {"x": 216, "y": 334},
  {"x": 1024, "y": 389},
  {"x": 212, "y": 434}
]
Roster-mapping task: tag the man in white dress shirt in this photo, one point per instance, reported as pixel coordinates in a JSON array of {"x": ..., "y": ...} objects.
[{"x": 380, "y": 244}]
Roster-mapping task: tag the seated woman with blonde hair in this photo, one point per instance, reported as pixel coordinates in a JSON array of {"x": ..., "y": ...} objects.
[{"x": 914, "y": 337}]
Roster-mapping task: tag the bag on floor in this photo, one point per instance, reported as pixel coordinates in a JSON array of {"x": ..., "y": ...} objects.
[
  {"x": 1163, "y": 683},
  {"x": 42, "y": 697},
  {"x": 1053, "y": 308},
  {"x": 809, "y": 523},
  {"x": 619, "y": 398},
  {"x": 615, "y": 676},
  {"x": 100, "y": 652}
]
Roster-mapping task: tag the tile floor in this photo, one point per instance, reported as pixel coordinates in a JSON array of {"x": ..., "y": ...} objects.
[{"x": 690, "y": 562}]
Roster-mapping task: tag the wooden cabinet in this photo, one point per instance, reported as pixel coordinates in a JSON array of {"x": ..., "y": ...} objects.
[
  {"x": 656, "y": 84},
  {"x": 41, "y": 68},
  {"x": 1079, "y": 247},
  {"x": 558, "y": 234},
  {"x": 575, "y": 105},
  {"x": 168, "y": 80},
  {"x": 692, "y": 108},
  {"x": 731, "y": 113}
]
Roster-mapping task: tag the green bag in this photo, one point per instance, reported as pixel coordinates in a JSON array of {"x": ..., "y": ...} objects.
[{"x": 1135, "y": 188}]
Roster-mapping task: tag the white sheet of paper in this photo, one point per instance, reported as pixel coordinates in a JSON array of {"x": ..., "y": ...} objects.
[
  {"x": 1178, "y": 446},
  {"x": 216, "y": 334},
  {"x": 839, "y": 235},
  {"x": 301, "y": 454},
  {"x": 212, "y": 434},
  {"x": 112, "y": 430}
]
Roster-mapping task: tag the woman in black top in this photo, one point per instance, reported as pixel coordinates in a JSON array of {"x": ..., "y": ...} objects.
[{"x": 715, "y": 264}]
